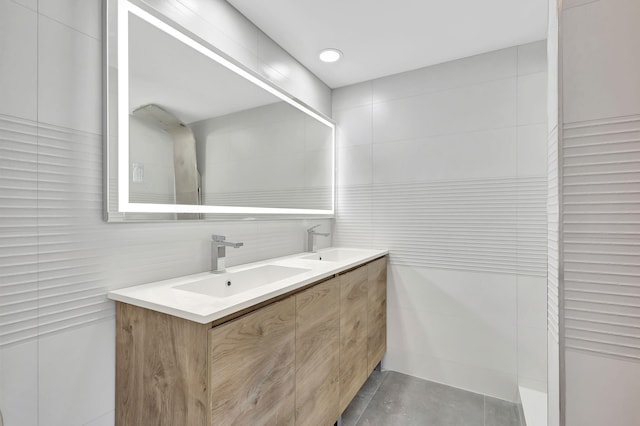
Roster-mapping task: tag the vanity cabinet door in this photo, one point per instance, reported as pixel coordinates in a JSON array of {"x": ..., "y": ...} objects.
[
  {"x": 252, "y": 368},
  {"x": 353, "y": 333},
  {"x": 377, "y": 312},
  {"x": 317, "y": 354},
  {"x": 161, "y": 369}
]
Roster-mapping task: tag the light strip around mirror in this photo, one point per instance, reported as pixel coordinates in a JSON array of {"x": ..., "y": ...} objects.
[{"x": 124, "y": 206}]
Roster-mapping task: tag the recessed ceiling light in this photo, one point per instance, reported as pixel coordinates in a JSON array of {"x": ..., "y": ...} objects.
[{"x": 330, "y": 55}]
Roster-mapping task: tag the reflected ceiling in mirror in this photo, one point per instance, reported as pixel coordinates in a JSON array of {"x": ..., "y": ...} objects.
[{"x": 199, "y": 136}]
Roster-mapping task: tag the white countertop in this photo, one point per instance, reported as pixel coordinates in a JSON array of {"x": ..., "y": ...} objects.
[{"x": 163, "y": 296}]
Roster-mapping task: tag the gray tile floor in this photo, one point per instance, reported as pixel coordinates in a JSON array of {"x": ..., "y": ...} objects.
[{"x": 395, "y": 399}]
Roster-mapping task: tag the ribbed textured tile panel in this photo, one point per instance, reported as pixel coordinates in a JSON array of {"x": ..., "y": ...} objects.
[
  {"x": 296, "y": 198},
  {"x": 553, "y": 220},
  {"x": 353, "y": 223},
  {"x": 492, "y": 225},
  {"x": 302, "y": 198},
  {"x": 601, "y": 221},
  {"x": 18, "y": 230},
  {"x": 141, "y": 197},
  {"x": 71, "y": 284}
]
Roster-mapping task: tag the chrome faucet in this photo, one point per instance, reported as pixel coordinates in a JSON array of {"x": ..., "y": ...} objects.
[
  {"x": 219, "y": 252},
  {"x": 311, "y": 240}
]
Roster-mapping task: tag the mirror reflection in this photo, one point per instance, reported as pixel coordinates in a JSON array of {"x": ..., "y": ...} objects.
[{"x": 201, "y": 134}]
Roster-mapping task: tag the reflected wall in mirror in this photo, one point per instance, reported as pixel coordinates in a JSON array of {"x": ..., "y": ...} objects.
[{"x": 198, "y": 136}]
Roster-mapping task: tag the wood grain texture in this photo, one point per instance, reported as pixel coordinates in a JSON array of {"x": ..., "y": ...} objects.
[
  {"x": 317, "y": 354},
  {"x": 252, "y": 368},
  {"x": 161, "y": 369},
  {"x": 377, "y": 312},
  {"x": 243, "y": 312},
  {"x": 353, "y": 333}
]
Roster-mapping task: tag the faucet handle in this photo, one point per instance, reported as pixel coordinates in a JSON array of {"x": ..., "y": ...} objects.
[
  {"x": 218, "y": 238},
  {"x": 310, "y": 230}
]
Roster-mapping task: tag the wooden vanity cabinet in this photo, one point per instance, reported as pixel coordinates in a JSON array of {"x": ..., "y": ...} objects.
[
  {"x": 161, "y": 369},
  {"x": 377, "y": 312},
  {"x": 353, "y": 333},
  {"x": 298, "y": 360},
  {"x": 318, "y": 354}
]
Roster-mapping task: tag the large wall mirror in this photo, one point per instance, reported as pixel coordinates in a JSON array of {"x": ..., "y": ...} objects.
[{"x": 191, "y": 134}]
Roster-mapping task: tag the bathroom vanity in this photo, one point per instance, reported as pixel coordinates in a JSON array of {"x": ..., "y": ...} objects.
[
  {"x": 293, "y": 350},
  {"x": 285, "y": 341}
]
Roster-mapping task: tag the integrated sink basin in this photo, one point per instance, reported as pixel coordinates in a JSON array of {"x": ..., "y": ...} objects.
[
  {"x": 334, "y": 255},
  {"x": 232, "y": 283}
]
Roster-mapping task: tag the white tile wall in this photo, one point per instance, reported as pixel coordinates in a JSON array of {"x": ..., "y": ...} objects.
[
  {"x": 463, "y": 376},
  {"x": 532, "y": 58},
  {"x": 553, "y": 380},
  {"x": 459, "y": 338},
  {"x": 352, "y": 96},
  {"x": 84, "y": 16},
  {"x": 69, "y": 77},
  {"x": 532, "y": 160},
  {"x": 532, "y": 357},
  {"x": 18, "y": 62},
  {"x": 452, "y": 179},
  {"x": 448, "y": 292},
  {"x": 532, "y": 293},
  {"x": 30, "y": 4},
  {"x": 108, "y": 419},
  {"x": 532, "y": 98},
  {"x": 598, "y": 38},
  {"x": 553, "y": 106},
  {"x": 19, "y": 383},
  {"x": 532, "y": 332},
  {"x": 474, "y": 155},
  {"x": 601, "y": 390},
  {"x": 482, "y": 106},
  {"x": 568, "y": 4},
  {"x": 76, "y": 374},
  {"x": 435, "y": 313},
  {"x": 532, "y": 156},
  {"x": 357, "y": 127},
  {"x": 57, "y": 257},
  {"x": 492, "y": 66},
  {"x": 354, "y": 165}
]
